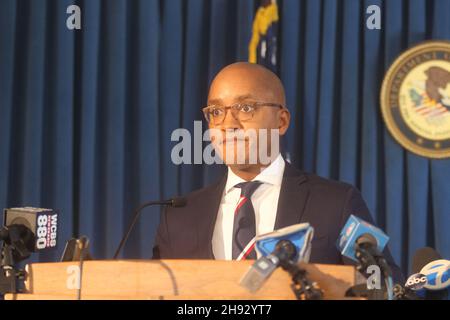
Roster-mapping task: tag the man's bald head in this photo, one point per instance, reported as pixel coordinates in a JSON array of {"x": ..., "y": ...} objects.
[{"x": 246, "y": 80}]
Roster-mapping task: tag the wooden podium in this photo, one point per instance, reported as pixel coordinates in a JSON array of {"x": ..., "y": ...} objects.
[{"x": 171, "y": 280}]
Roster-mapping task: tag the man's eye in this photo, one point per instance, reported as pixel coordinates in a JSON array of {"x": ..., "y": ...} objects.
[
  {"x": 246, "y": 108},
  {"x": 216, "y": 112}
]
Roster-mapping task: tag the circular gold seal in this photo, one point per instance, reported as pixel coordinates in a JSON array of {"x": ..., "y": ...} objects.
[{"x": 415, "y": 99}]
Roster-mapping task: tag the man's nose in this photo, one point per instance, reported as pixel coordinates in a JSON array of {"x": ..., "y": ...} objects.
[{"x": 230, "y": 122}]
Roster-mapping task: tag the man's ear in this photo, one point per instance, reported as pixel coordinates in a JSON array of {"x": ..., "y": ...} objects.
[{"x": 284, "y": 120}]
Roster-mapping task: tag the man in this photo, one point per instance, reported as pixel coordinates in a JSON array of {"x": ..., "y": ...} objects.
[{"x": 255, "y": 197}]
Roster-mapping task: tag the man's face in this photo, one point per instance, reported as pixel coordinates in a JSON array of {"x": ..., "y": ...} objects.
[{"x": 239, "y": 134}]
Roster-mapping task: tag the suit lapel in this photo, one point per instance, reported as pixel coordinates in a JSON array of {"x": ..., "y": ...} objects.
[
  {"x": 292, "y": 199},
  {"x": 208, "y": 215}
]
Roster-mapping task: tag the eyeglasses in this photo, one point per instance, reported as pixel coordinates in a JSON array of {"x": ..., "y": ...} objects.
[{"x": 242, "y": 112}]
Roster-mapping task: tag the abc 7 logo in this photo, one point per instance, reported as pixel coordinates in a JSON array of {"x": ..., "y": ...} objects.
[
  {"x": 416, "y": 281},
  {"x": 437, "y": 274},
  {"x": 434, "y": 276}
]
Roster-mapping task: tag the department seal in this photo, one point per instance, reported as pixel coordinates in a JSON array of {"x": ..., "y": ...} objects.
[{"x": 415, "y": 99}]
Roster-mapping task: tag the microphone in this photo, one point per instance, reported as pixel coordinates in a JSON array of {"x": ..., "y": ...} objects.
[
  {"x": 174, "y": 202},
  {"x": 358, "y": 234},
  {"x": 364, "y": 243},
  {"x": 303, "y": 288},
  {"x": 285, "y": 247},
  {"x": 28, "y": 230},
  {"x": 438, "y": 274},
  {"x": 416, "y": 281},
  {"x": 422, "y": 257},
  {"x": 76, "y": 249},
  {"x": 366, "y": 249},
  {"x": 284, "y": 255},
  {"x": 25, "y": 230},
  {"x": 431, "y": 278},
  {"x": 263, "y": 268}
]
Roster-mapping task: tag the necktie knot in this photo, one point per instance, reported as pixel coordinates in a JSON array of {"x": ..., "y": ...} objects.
[{"x": 248, "y": 188}]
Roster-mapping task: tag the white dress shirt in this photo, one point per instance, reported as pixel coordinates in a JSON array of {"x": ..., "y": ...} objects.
[{"x": 264, "y": 200}]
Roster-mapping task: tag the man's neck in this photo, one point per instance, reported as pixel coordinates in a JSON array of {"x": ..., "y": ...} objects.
[{"x": 248, "y": 173}]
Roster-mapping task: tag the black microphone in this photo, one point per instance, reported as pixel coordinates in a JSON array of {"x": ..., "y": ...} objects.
[
  {"x": 174, "y": 202},
  {"x": 410, "y": 291},
  {"x": 263, "y": 267},
  {"x": 366, "y": 248},
  {"x": 303, "y": 288},
  {"x": 421, "y": 258},
  {"x": 284, "y": 255},
  {"x": 367, "y": 253},
  {"x": 20, "y": 238},
  {"x": 27, "y": 230}
]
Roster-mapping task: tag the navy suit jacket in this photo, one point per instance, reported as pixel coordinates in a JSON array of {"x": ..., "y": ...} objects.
[{"x": 186, "y": 232}]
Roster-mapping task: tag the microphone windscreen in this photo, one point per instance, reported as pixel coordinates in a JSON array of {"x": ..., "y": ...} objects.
[
  {"x": 422, "y": 257},
  {"x": 178, "y": 202},
  {"x": 367, "y": 238}
]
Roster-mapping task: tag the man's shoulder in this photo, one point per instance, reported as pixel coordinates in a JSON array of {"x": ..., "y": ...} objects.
[{"x": 316, "y": 183}]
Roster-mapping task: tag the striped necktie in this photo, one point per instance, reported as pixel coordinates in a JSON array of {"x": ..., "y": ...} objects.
[{"x": 244, "y": 225}]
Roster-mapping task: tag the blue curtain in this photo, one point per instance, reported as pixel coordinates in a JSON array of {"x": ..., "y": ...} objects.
[{"x": 86, "y": 115}]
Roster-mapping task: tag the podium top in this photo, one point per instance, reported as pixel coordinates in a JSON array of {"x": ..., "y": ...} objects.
[{"x": 171, "y": 279}]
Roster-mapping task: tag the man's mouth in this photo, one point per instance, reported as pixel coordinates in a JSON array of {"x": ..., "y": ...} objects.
[{"x": 233, "y": 140}]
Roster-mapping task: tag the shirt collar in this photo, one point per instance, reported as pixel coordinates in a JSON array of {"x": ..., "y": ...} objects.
[{"x": 273, "y": 175}]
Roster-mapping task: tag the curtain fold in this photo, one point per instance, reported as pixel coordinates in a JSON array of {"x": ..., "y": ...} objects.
[{"x": 86, "y": 116}]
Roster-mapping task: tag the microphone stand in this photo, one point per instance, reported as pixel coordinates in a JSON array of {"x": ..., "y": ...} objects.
[
  {"x": 368, "y": 255},
  {"x": 402, "y": 293},
  {"x": 9, "y": 275},
  {"x": 174, "y": 202},
  {"x": 83, "y": 253},
  {"x": 384, "y": 266},
  {"x": 136, "y": 215},
  {"x": 7, "y": 272},
  {"x": 302, "y": 287}
]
